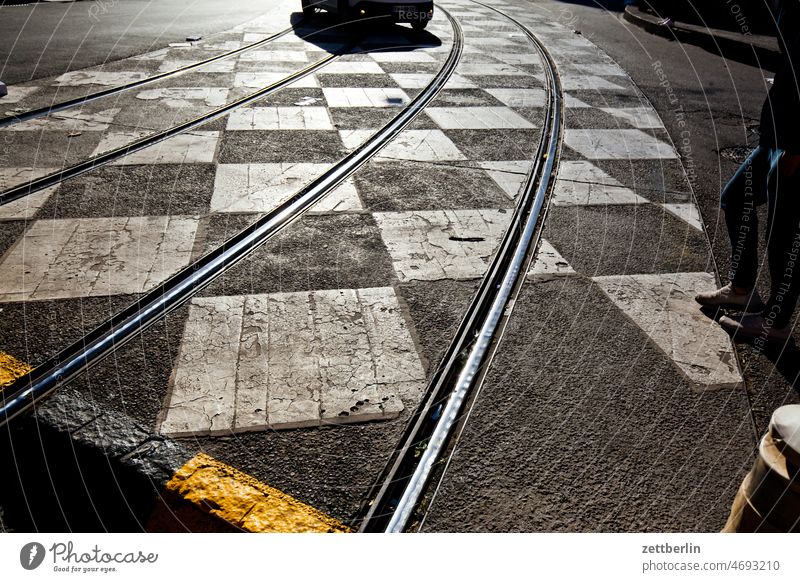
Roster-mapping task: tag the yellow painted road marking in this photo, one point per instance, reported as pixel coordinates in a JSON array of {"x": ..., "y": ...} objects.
[
  {"x": 11, "y": 369},
  {"x": 244, "y": 502}
]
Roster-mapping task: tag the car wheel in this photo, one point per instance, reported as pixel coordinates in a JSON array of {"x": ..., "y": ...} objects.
[
  {"x": 343, "y": 10},
  {"x": 419, "y": 24},
  {"x": 308, "y": 8}
]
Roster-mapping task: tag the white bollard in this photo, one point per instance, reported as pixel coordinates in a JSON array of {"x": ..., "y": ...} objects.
[{"x": 769, "y": 498}]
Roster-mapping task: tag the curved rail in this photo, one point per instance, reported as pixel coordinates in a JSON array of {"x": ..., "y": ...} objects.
[
  {"x": 398, "y": 493},
  {"x": 37, "y": 184},
  {"x": 44, "y": 111},
  {"x": 27, "y": 390}
]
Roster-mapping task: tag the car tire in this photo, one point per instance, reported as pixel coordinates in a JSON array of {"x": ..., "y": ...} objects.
[
  {"x": 419, "y": 25},
  {"x": 343, "y": 10},
  {"x": 308, "y": 8}
]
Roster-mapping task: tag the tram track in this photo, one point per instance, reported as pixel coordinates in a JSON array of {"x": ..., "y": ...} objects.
[
  {"x": 94, "y": 162},
  {"x": 394, "y": 502},
  {"x": 153, "y": 306},
  {"x": 70, "y": 103}
]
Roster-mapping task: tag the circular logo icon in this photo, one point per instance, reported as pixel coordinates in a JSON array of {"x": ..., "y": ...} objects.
[{"x": 31, "y": 555}]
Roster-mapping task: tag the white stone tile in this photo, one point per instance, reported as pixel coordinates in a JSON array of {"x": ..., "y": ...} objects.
[
  {"x": 69, "y": 121},
  {"x": 259, "y": 80},
  {"x": 197, "y": 147},
  {"x": 402, "y": 57},
  {"x": 17, "y": 93},
  {"x": 289, "y": 360},
  {"x": 156, "y": 55},
  {"x": 588, "y": 83},
  {"x": 186, "y": 97},
  {"x": 352, "y": 68},
  {"x": 202, "y": 391},
  {"x": 296, "y": 56},
  {"x": 107, "y": 79},
  {"x": 272, "y": 118},
  {"x": 422, "y": 80},
  {"x": 605, "y": 69},
  {"x": 508, "y": 175},
  {"x": 574, "y": 102},
  {"x": 224, "y": 66},
  {"x": 224, "y": 46},
  {"x": 549, "y": 264},
  {"x": 58, "y": 259},
  {"x": 24, "y": 208},
  {"x": 687, "y": 212},
  {"x": 663, "y": 306},
  {"x": 481, "y": 69},
  {"x": 617, "y": 144},
  {"x": 582, "y": 183},
  {"x": 441, "y": 244},
  {"x": 517, "y": 58},
  {"x": 425, "y": 145},
  {"x": 10, "y": 177},
  {"x": 344, "y": 198},
  {"x": 639, "y": 117},
  {"x": 259, "y": 187},
  {"x": 477, "y": 118},
  {"x": 370, "y": 97},
  {"x": 520, "y": 97},
  {"x": 27, "y": 206}
]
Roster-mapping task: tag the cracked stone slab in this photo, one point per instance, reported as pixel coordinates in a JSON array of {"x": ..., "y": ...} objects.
[
  {"x": 285, "y": 56},
  {"x": 365, "y": 97},
  {"x": 259, "y": 80},
  {"x": 17, "y": 94},
  {"x": 617, "y": 144},
  {"x": 583, "y": 183},
  {"x": 69, "y": 121},
  {"x": 520, "y": 97},
  {"x": 186, "y": 97},
  {"x": 688, "y": 212},
  {"x": 93, "y": 257},
  {"x": 481, "y": 69},
  {"x": 509, "y": 175},
  {"x": 274, "y": 118},
  {"x": 422, "y": 145},
  {"x": 262, "y": 187},
  {"x": 549, "y": 264},
  {"x": 103, "y": 78},
  {"x": 441, "y": 244},
  {"x": 289, "y": 360},
  {"x": 225, "y": 66},
  {"x": 663, "y": 306},
  {"x": 477, "y": 118},
  {"x": 638, "y": 117},
  {"x": 422, "y": 80},
  {"x": 27, "y": 206},
  {"x": 588, "y": 83},
  {"x": 197, "y": 147}
]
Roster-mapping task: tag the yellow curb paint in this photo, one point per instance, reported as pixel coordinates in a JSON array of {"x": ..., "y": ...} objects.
[
  {"x": 11, "y": 369},
  {"x": 239, "y": 499}
]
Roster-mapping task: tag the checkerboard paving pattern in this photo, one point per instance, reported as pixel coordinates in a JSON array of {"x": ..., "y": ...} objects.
[{"x": 269, "y": 360}]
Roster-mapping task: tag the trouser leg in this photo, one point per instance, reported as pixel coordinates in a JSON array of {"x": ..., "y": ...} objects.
[
  {"x": 739, "y": 200},
  {"x": 783, "y": 248}
]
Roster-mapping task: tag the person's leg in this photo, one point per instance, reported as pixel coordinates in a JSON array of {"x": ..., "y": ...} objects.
[
  {"x": 783, "y": 245},
  {"x": 739, "y": 199}
]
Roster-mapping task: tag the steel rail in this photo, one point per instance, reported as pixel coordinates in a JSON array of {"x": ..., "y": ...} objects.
[
  {"x": 26, "y": 391},
  {"x": 94, "y": 162},
  {"x": 44, "y": 111},
  {"x": 397, "y": 494}
]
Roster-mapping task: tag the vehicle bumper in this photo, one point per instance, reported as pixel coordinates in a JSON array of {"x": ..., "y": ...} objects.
[{"x": 398, "y": 12}]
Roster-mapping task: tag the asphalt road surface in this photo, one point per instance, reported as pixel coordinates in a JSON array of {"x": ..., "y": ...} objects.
[{"x": 45, "y": 38}]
